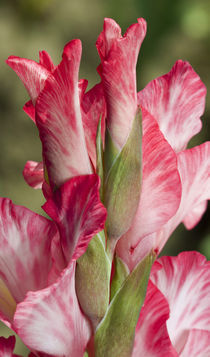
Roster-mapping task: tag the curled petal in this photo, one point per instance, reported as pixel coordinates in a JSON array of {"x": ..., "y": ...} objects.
[
  {"x": 194, "y": 170},
  {"x": 195, "y": 214},
  {"x": 25, "y": 259},
  {"x": 33, "y": 174},
  {"x": 151, "y": 337},
  {"x": 59, "y": 120},
  {"x": 78, "y": 212},
  {"x": 185, "y": 283},
  {"x": 177, "y": 101},
  {"x": 50, "y": 320},
  {"x": 118, "y": 72},
  {"x": 32, "y": 74},
  {"x": 160, "y": 195},
  {"x": 46, "y": 61}
]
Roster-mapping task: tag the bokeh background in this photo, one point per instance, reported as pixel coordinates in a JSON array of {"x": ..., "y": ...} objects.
[{"x": 176, "y": 30}]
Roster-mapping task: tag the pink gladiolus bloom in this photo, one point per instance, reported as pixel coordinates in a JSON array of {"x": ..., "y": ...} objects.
[{"x": 61, "y": 279}]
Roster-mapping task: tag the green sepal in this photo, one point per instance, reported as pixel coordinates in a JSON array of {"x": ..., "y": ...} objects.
[
  {"x": 99, "y": 158},
  {"x": 110, "y": 153},
  {"x": 93, "y": 280},
  {"x": 115, "y": 334},
  {"x": 123, "y": 185},
  {"x": 120, "y": 274}
]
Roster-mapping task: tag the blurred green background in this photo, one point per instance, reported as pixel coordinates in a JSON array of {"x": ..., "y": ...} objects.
[{"x": 176, "y": 30}]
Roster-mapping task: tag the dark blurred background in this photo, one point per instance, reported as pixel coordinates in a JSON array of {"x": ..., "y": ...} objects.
[{"x": 176, "y": 30}]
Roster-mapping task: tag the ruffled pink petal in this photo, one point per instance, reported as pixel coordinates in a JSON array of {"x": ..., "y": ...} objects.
[
  {"x": 59, "y": 120},
  {"x": 151, "y": 337},
  {"x": 197, "y": 344},
  {"x": 77, "y": 210},
  {"x": 93, "y": 108},
  {"x": 160, "y": 195},
  {"x": 32, "y": 74},
  {"x": 194, "y": 170},
  {"x": 118, "y": 72},
  {"x": 46, "y": 61},
  {"x": 33, "y": 174},
  {"x": 7, "y": 346},
  {"x": 25, "y": 260},
  {"x": 50, "y": 320},
  {"x": 177, "y": 101},
  {"x": 185, "y": 283}
]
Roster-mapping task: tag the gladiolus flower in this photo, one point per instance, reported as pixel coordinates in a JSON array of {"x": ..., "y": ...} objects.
[{"x": 118, "y": 179}]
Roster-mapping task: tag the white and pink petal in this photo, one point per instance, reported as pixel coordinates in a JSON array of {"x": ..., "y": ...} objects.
[
  {"x": 78, "y": 212},
  {"x": 58, "y": 118},
  {"x": 32, "y": 74},
  {"x": 194, "y": 170},
  {"x": 33, "y": 174},
  {"x": 160, "y": 194},
  {"x": 151, "y": 336},
  {"x": 197, "y": 344},
  {"x": 50, "y": 320},
  {"x": 118, "y": 72},
  {"x": 185, "y": 282},
  {"x": 25, "y": 259},
  {"x": 177, "y": 101}
]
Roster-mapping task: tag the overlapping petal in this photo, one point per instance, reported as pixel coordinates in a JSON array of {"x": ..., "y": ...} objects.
[
  {"x": 25, "y": 259},
  {"x": 58, "y": 117},
  {"x": 194, "y": 170},
  {"x": 177, "y": 101},
  {"x": 197, "y": 344},
  {"x": 50, "y": 320},
  {"x": 151, "y": 337},
  {"x": 77, "y": 209},
  {"x": 33, "y": 174},
  {"x": 32, "y": 74},
  {"x": 29, "y": 109},
  {"x": 185, "y": 283},
  {"x": 46, "y": 61},
  {"x": 118, "y": 72},
  {"x": 160, "y": 195}
]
